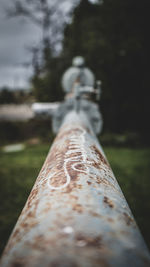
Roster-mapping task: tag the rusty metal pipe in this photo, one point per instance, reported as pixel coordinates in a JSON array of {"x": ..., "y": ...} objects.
[{"x": 76, "y": 214}]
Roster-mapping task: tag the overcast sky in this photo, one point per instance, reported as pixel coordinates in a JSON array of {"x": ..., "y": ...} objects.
[{"x": 16, "y": 35}]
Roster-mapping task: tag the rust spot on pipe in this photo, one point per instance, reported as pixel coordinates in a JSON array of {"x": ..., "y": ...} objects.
[
  {"x": 108, "y": 202},
  {"x": 110, "y": 220},
  {"x": 18, "y": 263},
  {"x": 89, "y": 241},
  {"x": 100, "y": 180},
  {"x": 31, "y": 198},
  {"x": 78, "y": 207},
  {"x": 101, "y": 262},
  {"x": 58, "y": 180},
  {"x": 101, "y": 157},
  {"x": 64, "y": 263},
  {"x": 128, "y": 219},
  {"x": 69, "y": 188},
  {"x": 73, "y": 197},
  {"x": 95, "y": 214}
]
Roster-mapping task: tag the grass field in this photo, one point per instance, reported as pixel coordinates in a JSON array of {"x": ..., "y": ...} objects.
[{"x": 18, "y": 171}]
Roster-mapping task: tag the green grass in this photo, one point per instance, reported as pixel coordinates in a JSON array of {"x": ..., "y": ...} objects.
[
  {"x": 132, "y": 170},
  {"x": 19, "y": 170}
]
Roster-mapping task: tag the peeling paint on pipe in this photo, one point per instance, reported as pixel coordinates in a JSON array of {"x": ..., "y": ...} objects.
[{"x": 76, "y": 214}]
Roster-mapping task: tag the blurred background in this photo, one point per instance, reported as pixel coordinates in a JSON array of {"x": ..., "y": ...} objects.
[{"x": 39, "y": 38}]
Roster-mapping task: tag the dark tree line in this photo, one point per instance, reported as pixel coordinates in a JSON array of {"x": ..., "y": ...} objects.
[{"x": 114, "y": 39}]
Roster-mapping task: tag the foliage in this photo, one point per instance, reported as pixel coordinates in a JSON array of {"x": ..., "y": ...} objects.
[
  {"x": 20, "y": 131},
  {"x": 6, "y": 96},
  {"x": 113, "y": 37},
  {"x": 129, "y": 139},
  {"x": 17, "y": 96},
  {"x": 46, "y": 86},
  {"x": 19, "y": 170}
]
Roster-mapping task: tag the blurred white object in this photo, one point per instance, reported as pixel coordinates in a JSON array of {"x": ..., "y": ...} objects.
[
  {"x": 44, "y": 108},
  {"x": 13, "y": 148},
  {"x": 14, "y": 112},
  {"x": 77, "y": 73},
  {"x": 78, "y": 61}
]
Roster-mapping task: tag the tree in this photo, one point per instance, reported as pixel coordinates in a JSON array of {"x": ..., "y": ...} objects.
[
  {"x": 50, "y": 17},
  {"x": 7, "y": 96},
  {"x": 113, "y": 37}
]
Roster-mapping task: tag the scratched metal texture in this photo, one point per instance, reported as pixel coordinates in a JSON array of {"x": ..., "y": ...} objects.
[{"x": 76, "y": 214}]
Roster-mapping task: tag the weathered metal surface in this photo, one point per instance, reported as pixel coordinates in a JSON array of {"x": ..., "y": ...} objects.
[
  {"x": 77, "y": 72},
  {"x": 91, "y": 109},
  {"x": 76, "y": 214}
]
